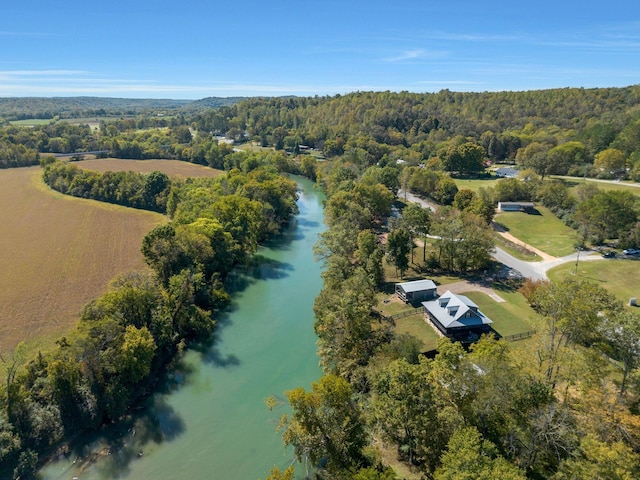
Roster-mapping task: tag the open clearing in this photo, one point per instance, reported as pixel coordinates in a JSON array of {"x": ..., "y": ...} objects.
[
  {"x": 546, "y": 232},
  {"x": 621, "y": 276},
  {"x": 173, "y": 168},
  {"x": 58, "y": 253}
]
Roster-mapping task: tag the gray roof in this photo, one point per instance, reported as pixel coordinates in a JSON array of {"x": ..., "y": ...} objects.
[
  {"x": 417, "y": 286},
  {"x": 453, "y": 311},
  {"x": 507, "y": 172}
]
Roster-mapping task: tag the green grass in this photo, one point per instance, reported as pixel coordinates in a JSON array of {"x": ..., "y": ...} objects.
[
  {"x": 545, "y": 232},
  {"x": 618, "y": 275},
  {"x": 512, "y": 316},
  {"x": 415, "y": 325},
  {"x": 574, "y": 182},
  {"x": 31, "y": 121},
  {"x": 475, "y": 183},
  {"x": 516, "y": 251}
]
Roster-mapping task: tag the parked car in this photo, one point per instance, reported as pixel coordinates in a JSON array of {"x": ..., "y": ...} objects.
[
  {"x": 609, "y": 254},
  {"x": 631, "y": 251}
]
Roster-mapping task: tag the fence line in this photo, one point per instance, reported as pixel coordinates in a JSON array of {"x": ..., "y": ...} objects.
[
  {"x": 519, "y": 336},
  {"x": 406, "y": 313}
]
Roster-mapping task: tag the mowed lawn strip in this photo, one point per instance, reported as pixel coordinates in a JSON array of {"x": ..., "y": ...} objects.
[
  {"x": 475, "y": 184},
  {"x": 59, "y": 253},
  {"x": 545, "y": 231},
  {"x": 173, "y": 168},
  {"x": 620, "y": 276}
]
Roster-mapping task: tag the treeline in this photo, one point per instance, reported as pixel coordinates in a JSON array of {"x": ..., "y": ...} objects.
[
  {"x": 128, "y": 337},
  {"x": 564, "y": 407},
  {"x": 554, "y": 131},
  {"x": 22, "y": 108},
  {"x": 564, "y": 131},
  {"x": 145, "y": 191}
]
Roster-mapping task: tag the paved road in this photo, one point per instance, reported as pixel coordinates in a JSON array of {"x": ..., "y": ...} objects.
[{"x": 533, "y": 270}]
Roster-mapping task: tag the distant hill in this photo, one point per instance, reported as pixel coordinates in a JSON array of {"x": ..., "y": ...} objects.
[
  {"x": 214, "y": 102},
  {"x": 21, "y": 108}
]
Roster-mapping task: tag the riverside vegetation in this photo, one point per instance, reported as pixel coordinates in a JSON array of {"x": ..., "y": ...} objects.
[{"x": 559, "y": 407}]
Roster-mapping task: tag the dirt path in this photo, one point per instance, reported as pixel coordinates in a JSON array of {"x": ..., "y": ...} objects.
[
  {"x": 517, "y": 241},
  {"x": 466, "y": 286}
]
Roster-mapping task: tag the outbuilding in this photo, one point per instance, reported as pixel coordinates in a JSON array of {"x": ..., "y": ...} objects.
[
  {"x": 516, "y": 206},
  {"x": 416, "y": 291}
]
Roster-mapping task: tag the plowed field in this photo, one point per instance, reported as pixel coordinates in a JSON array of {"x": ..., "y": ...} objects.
[
  {"x": 173, "y": 168},
  {"x": 57, "y": 253}
]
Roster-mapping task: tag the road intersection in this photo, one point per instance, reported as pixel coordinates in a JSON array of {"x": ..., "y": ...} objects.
[{"x": 533, "y": 270}]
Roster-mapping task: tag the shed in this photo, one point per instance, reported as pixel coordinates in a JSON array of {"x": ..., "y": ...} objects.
[
  {"x": 516, "y": 206},
  {"x": 416, "y": 291}
]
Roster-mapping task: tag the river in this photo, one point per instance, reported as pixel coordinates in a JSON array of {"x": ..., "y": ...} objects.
[{"x": 211, "y": 420}]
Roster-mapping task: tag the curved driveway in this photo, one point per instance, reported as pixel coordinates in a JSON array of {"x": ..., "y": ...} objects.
[{"x": 533, "y": 270}]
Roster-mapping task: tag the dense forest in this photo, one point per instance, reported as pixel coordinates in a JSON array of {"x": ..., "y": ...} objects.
[{"x": 566, "y": 408}]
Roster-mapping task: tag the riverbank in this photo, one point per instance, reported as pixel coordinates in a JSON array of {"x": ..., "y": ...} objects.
[{"x": 211, "y": 416}]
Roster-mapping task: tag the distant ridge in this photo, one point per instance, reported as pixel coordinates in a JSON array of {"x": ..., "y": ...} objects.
[
  {"x": 214, "y": 102},
  {"x": 20, "y": 108}
]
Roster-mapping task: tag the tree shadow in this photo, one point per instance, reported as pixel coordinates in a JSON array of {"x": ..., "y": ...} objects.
[
  {"x": 113, "y": 449},
  {"x": 499, "y": 227},
  {"x": 257, "y": 268},
  {"x": 210, "y": 354}
]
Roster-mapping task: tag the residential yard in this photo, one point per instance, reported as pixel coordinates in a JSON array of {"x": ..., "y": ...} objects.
[
  {"x": 417, "y": 326},
  {"x": 475, "y": 184},
  {"x": 621, "y": 276},
  {"x": 512, "y": 316},
  {"x": 545, "y": 231}
]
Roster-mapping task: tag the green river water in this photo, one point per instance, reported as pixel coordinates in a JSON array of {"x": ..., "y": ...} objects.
[{"x": 211, "y": 422}]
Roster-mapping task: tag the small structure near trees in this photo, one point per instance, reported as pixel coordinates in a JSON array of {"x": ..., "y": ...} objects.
[
  {"x": 505, "y": 172},
  {"x": 457, "y": 317},
  {"x": 516, "y": 207},
  {"x": 416, "y": 291}
]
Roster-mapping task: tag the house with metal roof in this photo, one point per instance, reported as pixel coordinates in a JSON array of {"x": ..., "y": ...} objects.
[
  {"x": 506, "y": 172},
  {"x": 416, "y": 291},
  {"x": 457, "y": 317}
]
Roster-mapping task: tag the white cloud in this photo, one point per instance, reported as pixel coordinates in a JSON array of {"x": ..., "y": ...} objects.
[{"x": 414, "y": 54}]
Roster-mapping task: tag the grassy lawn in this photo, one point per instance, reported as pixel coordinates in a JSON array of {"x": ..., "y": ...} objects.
[
  {"x": 545, "y": 231},
  {"x": 620, "y": 276},
  {"x": 475, "y": 184},
  {"x": 574, "y": 182},
  {"x": 415, "y": 325},
  {"x": 29, "y": 122},
  {"x": 516, "y": 251},
  {"x": 512, "y": 316}
]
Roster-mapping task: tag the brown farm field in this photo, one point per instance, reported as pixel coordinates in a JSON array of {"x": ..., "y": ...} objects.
[
  {"x": 57, "y": 254},
  {"x": 173, "y": 168}
]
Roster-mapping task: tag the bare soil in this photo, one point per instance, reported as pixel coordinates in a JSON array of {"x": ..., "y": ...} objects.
[
  {"x": 57, "y": 253},
  {"x": 173, "y": 168}
]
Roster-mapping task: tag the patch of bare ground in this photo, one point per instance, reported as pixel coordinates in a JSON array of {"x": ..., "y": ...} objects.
[
  {"x": 173, "y": 168},
  {"x": 58, "y": 253}
]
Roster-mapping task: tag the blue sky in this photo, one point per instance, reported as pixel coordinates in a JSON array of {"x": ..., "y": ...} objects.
[{"x": 195, "y": 48}]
